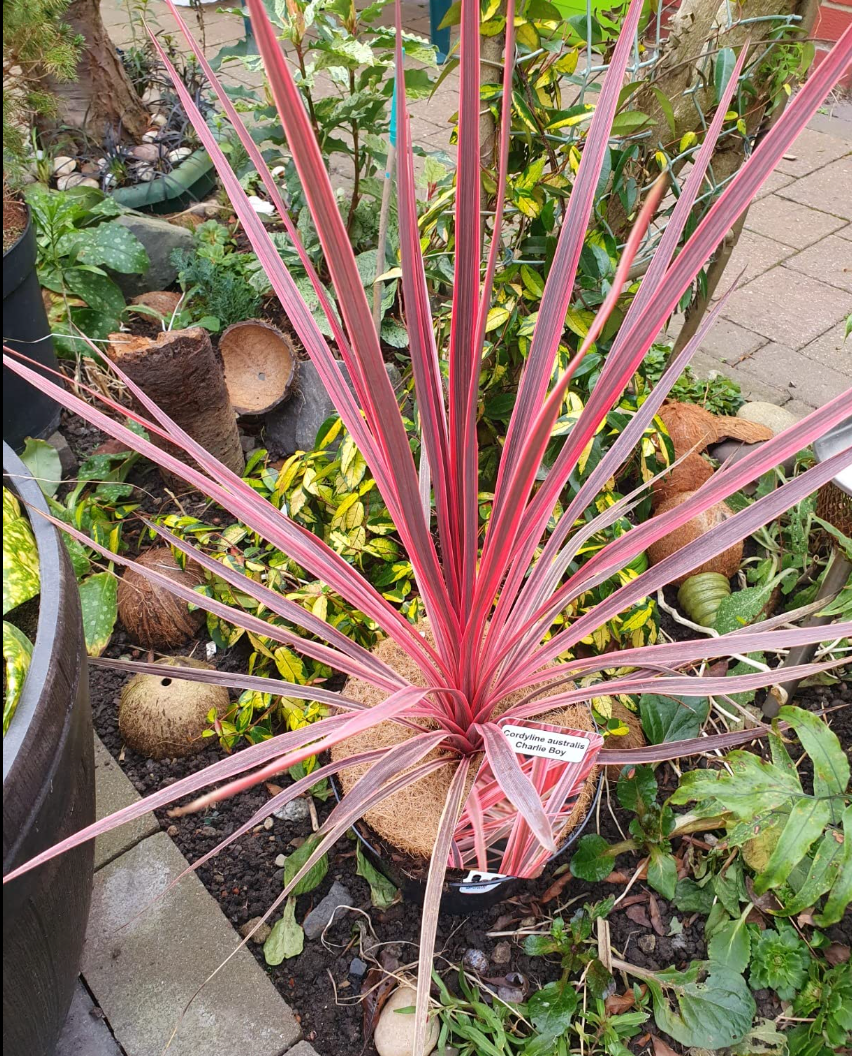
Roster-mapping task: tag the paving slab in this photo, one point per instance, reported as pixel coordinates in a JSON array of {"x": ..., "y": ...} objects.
[
  {"x": 144, "y": 964},
  {"x": 813, "y": 387},
  {"x": 788, "y": 307},
  {"x": 829, "y": 189},
  {"x": 832, "y": 350},
  {"x": 752, "y": 255},
  {"x": 774, "y": 182},
  {"x": 792, "y": 223},
  {"x": 845, "y": 232},
  {"x": 812, "y": 150},
  {"x": 830, "y": 260},
  {"x": 113, "y": 791},
  {"x": 86, "y": 1032},
  {"x": 304, "y": 1048},
  {"x": 727, "y": 342}
]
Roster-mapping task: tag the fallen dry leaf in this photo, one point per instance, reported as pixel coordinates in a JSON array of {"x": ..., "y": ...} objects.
[
  {"x": 662, "y": 1048},
  {"x": 638, "y": 915},
  {"x": 656, "y": 917},
  {"x": 837, "y": 953},
  {"x": 616, "y": 1004}
]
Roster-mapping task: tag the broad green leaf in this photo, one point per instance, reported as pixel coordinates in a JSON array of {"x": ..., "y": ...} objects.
[
  {"x": 20, "y": 561},
  {"x": 99, "y": 602},
  {"x": 662, "y": 872},
  {"x": 98, "y": 291},
  {"x": 691, "y": 897},
  {"x": 741, "y": 607},
  {"x": 629, "y": 122},
  {"x": 723, "y": 67},
  {"x": 824, "y": 870},
  {"x": 706, "y": 1006},
  {"x": 831, "y": 763},
  {"x": 113, "y": 245},
  {"x": 592, "y": 860},
  {"x": 17, "y": 653},
  {"x": 672, "y": 718},
  {"x": 752, "y": 787},
  {"x": 286, "y": 938},
  {"x": 731, "y": 944},
  {"x": 550, "y": 1011},
  {"x": 637, "y": 788},
  {"x": 290, "y": 666},
  {"x": 730, "y": 887},
  {"x": 805, "y": 824},
  {"x": 382, "y": 892},
  {"x": 43, "y": 461},
  {"x": 840, "y": 896},
  {"x": 314, "y": 876}
]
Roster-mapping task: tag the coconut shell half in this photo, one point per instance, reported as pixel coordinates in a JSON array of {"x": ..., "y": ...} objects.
[
  {"x": 727, "y": 563},
  {"x": 152, "y": 616},
  {"x": 163, "y": 302},
  {"x": 687, "y": 475},
  {"x": 728, "y": 428},
  {"x": 164, "y": 718},
  {"x": 260, "y": 365},
  {"x": 691, "y": 428}
]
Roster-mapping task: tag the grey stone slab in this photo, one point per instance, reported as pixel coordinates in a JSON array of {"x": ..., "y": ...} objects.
[
  {"x": 726, "y": 343},
  {"x": 835, "y": 120},
  {"x": 811, "y": 151},
  {"x": 801, "y": 379},
  {"x": 160, "y": 239},
  {"x": 845, "y": 232},
  {"x": 832, "y": 350},
  {"x": 144, "y": 964},
  {"x": 304, "y": 1048},
  {"x": 829, "y": 189},
  {"x": 790, "y": 222},
  {"x": 752, "y": 255},
  {"x": 830, "y": 260},
  {"x": 775, "y": 181},
  {"x": 113, "y": 791},
  {"x": 85, "y": 1032},
  {"x": 787, "y": 307}
]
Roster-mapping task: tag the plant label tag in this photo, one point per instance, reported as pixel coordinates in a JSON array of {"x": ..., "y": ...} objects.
[
  {"x": 476, "y": 878},
  {"x": 567, "y": 747}
]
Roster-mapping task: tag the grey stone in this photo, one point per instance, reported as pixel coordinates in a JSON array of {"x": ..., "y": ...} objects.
[
  {"x": 769, "y": 414},
  {"x": 66, "y": 456},
  {"x": 160, "y": 239},
  {"x": 85, "y": 1032},
  {"x": 502, "y": 953},
  {"x": 144, "y": 963},
  {"x": 295, "y": 810},
  {"x": 828, "y": 189},
  {"x": 113, "y": 791},
  {"x": 812, "y": 150},
  {"x": 394, "y": 1034},
  {"x": 647, "y": 943},
  {"x": 261, "y": 935},
  {"x": 830, "y": 260},
  {"x": 791, "y": 222},
  {"x": 787, "y": 307},
  {"x": 293, "y": 425},
  {"x": 304, "y": 1048},
  {"x": 330, "y": 907},
  {"x": 357, "y": 967}
]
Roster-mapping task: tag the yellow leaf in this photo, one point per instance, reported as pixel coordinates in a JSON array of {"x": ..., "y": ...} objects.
[{"x": 689, "y": 139}]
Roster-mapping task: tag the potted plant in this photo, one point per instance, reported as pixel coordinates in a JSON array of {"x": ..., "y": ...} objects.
[
  {"x": 48, "y": 774},
  {"x": 478, "y": 690}
]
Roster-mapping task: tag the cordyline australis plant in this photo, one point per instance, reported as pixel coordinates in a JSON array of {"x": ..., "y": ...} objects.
[{"x": 490, "y": 600}]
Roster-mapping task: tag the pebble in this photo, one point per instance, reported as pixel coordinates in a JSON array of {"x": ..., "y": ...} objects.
[
  {"x": 280, "y": 860},
  {"x": 357, "y": 967},
  {"x": 75, "y": 179},
  {"x": 394, "y": 1034},
  {"x": 151, "y": 136},
  {"x": 647, "y": 943},
  {"x": 319, "y": 917},
  {"x": 63, "y": 165},
  {"x": 262, "y": 933},
  {"x": 146, "y": 152},
  {"x": 775, "y": 418},
  {"x": 295, "y": 810},
  {"x": 178, "y": 154},
  {"x": 476, "y": 961},
  {"x": 268, "y": 823},
  {"x": 502, "y": 953},
  {"x": 159, "y": 120},
  {"x": 172, "y": 830},
  {"x": 512, "y": 995},
  {"x": 208, "y": 830}
]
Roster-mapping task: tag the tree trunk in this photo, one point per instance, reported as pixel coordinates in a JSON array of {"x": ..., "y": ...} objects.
[
  {"x": 182, "y": 374},
  {"x": 102, "y": 101}
]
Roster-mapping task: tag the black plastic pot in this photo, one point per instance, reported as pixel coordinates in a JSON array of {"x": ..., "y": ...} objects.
[
  {"x": 26, "y": 411},
  {"x": 461, "y": 896},
  {"x": 48, "y": 794}
]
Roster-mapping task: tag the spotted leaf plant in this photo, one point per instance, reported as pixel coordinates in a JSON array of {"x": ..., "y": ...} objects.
[{"x": 490, "y": 597}]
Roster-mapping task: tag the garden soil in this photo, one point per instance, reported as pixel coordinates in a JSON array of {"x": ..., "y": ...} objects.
[{"x": 323, "y": 984}]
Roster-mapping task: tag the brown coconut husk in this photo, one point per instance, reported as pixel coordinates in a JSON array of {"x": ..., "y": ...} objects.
[
  {"x": 691, "y": 428},
  {"x": 409, "y": 820},
  {"x": 687, "y": 475},
  {"x": 260, "y": 365},
  {"x": 152, "y": 616},
  {"x": 727, "y": 563},
  {"x": 163, "y": 302},
  {"x": 728, "y": 428}
]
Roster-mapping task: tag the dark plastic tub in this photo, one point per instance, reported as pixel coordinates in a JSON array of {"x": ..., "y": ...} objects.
[
  {"x": 48, "y": 794},
  {"x": 460, "y": 896},
  {"x": 26, "y": 411}
]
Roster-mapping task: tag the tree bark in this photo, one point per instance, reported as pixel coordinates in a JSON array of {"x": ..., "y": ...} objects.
[
  {"x": 182, "y": 374},
  {"x": 101, "y": 102}
]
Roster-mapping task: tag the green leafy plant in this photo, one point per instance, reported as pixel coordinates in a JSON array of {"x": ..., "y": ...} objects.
[
  {"x": 573, "y": 942},
  {"x": 21, "y": 583},
  {"x": 488, "y": 602},
  {"x": 79, "y": 243},
  {"x": 779, "y": 962},
  {"x": 717, "y": 394},
  {"x": 214, "y": 277},
  {"x": 824, "y": 1004}
]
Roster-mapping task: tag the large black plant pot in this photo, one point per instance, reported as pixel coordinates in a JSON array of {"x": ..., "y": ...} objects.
[
  {"x": 26, "y": 411},
  {"x": 48, "y": 793}
]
